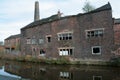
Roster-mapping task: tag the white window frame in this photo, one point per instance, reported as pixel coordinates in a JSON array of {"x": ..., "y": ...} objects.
[
  {"x": 28, "y": 41},
  {"x": 96, "y": 47},
  {"x": 41, "y": 41},
  {"x": 65, "y": 75},
  {"x": 98, "y": 29},
  {"x": 50, "y": 38},
  {"x": 68, "y": 34},
  {"x": 33, "y": 41},
  {"x": 65, "y": 53},
  {"x": 42, "y": 54}
]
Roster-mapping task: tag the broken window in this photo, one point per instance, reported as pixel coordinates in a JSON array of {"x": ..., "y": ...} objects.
[
  {"x": 96, "y": 50},
  {"x": 41, "y": 41},
  {"x": 65, "y": 51},
  {"x": 42, "y": 52},
  {"x": 94, "y": 33},
  {"x": 34, "y": 41},
  {"x": 48, "y": 38},
  {"x": 65, "y": 36},
  {"x": 28, "y": 41}
]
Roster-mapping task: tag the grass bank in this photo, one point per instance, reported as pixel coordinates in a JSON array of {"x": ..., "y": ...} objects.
[{"x": 62, "y": 60}]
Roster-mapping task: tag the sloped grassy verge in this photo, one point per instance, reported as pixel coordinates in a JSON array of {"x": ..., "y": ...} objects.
[{"x": 63, "y": 60}]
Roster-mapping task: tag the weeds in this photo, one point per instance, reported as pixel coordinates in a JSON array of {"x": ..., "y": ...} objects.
[
  {"x": 61, "y": 60},
  {"x": 115, "y": 61}
]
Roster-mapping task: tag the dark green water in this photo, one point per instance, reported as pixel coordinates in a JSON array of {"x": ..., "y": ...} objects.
[{"x": 10, "y": 70}]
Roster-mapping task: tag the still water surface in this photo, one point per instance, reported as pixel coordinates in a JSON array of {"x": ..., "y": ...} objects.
[{"x": 30, "y": 71}]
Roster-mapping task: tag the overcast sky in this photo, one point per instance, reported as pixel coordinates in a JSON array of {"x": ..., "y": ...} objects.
[{"x": 15, "y": 14}]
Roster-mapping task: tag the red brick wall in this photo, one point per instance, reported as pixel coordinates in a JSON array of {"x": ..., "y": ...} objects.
[
  {"x": 12, "y": 43},
  {"x": 77, "y": 24},
  {"x": 101, "y": 19},
  {"x": 117, "y": 34}
]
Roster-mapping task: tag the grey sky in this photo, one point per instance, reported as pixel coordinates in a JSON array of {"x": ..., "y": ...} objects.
[{"x": 15, "y": 14}]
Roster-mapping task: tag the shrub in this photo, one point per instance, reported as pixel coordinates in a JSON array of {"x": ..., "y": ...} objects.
[{"x": 115, "y": 61}]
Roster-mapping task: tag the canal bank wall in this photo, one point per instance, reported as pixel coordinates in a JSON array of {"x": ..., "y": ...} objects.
[{"x": 63, "y": 60}]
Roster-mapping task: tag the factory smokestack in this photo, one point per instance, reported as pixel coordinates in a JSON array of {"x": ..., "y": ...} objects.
[{"x": 36, "y": 13}]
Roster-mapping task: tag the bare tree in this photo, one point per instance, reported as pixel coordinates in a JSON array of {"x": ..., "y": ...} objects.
[{"x": 87, "y": 7}]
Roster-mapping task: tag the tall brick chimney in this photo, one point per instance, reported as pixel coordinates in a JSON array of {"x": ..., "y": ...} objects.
[{"x": 36, "y": 13}]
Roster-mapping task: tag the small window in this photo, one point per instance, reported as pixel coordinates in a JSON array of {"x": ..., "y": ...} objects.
[
  {"x": 94, "y": 33},
  {"x": 28, "y": 41},
  {"x": 41, "y": 41},
  {"x": 42, "y": 52},
  {"x": 48, "y": 38},
  {"x": 65, "y": 51},
  {"x": 34, "y": 41},
  {"x": 70, "y": 51},
  {"x": 65, "y": 36},
  {"x": 96, "y": 50},
  {"x": 97, "y": 77}
]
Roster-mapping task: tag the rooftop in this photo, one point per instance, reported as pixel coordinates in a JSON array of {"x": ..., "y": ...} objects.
[
  {"x": 117, "y": 21},
  {"x": 55, "y": 17},
  {"x": 13, "y": 36}
]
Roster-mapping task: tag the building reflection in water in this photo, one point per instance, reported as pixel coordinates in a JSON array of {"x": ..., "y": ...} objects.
[
  {"x": 97, "y": 77},
  {"x": 57, "y": 72},
  {"x": 66, "y": 76}
]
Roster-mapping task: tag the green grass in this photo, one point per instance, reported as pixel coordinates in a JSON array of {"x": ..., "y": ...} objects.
[
  {"x": 115, "y": 61},
  {"x": 61, "y": 60}
]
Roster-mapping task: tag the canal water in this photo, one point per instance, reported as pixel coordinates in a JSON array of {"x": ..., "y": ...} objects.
[{"x": 10, "y": 70}]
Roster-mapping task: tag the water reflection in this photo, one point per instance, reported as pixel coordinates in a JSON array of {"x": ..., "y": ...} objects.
[
  {"x": 7, "y": 76},
  {"x": 56, "y": 72},
  {"x": 3, "y": 73}
]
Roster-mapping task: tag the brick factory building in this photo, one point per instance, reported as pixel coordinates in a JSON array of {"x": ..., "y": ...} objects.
[
  {"x": 87, "y": 36},
  {"x": 12, "y": 44}
]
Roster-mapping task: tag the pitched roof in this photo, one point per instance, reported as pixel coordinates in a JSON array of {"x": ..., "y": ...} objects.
[
  {"x": 102, "y": 8},
  {"x": 117, "y": 21},
  {"x": 13, "y": 36},
  {"x": 45, "y": 20},
  {"x": 55, "y": 17}
]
